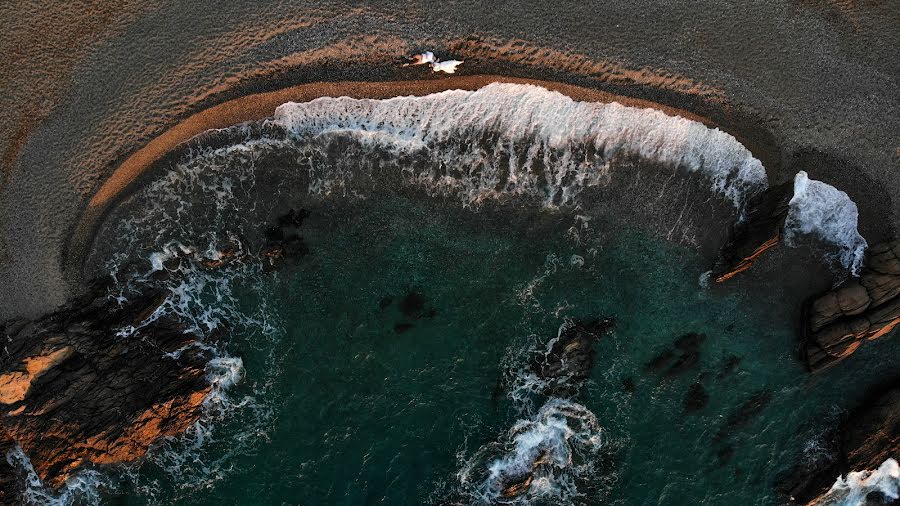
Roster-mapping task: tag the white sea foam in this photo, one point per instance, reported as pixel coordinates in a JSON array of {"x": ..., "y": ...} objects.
[
  {"x": 503, "y": 138},
  {"x": 82, "y": 488},
  {"x": 524, "y": 139},
  {"x": 825, "y": 213},
  {"x": 853, "y": 489},
  {"x": 557, "y": 447},
  {"x": 529, "y": 127}
]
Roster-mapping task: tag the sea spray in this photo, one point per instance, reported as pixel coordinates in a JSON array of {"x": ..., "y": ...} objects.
[
  {"x": 523, "y": 139},
  {"x": 553, "y": 451},
  {"x": 827, "y": 214},
  {"x": 82, "y": 488},
  {"x": 213, "y": 194},
  {"x": 857, "y": 486}
]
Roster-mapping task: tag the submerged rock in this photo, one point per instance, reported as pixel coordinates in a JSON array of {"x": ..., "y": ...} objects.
[
  {"x": 682, "y": 357},
  {"x": 696, "y": 398},
  {"x": 283, "y": 241},
  {"x": 868, "y": 437},
  {"x": 837, "y": 322},
  {"x": 761, "y": 230},
  {"x": 75, "y": 391},
  {"x": 569, "y": 357},
  {"x": 744, "y": 414}
]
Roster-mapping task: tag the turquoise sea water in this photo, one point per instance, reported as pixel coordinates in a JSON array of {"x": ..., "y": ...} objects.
[
  {"x": 448, "y": 245},
  {"x": 380, "y": 377}
]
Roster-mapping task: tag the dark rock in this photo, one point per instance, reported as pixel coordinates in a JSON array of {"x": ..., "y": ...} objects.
[
  {"x": 628, "y": 385},
  {"x": 836, "y": 323},
  {"x": 760, "y": 231},
  {"x": 696, "y": 398},
  {"x": 402, "y": 327},
  {"x": 660, "y": 362},
  {"x": 724, "y": 454},
  {"x": 689, "y": 342},
  {"x": 12, "y": 479},
  {"x": 868, "y": 436},
  {"x": 293, "y": 218},
  {"x": 568, "y": 360},
  {"x": 385, "y": 302},
  {"x": 517, "y": 486},
  {"x": 684, "y": 356},
  {"x": 412, "y": 305},
  {"x": 687, "y": 361},
  {"x": 283, "y": 241},
  {"x": 74, "y": 393}
]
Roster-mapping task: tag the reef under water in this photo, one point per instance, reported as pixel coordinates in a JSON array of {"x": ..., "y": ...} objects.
[{"x": 498, "y": 296}]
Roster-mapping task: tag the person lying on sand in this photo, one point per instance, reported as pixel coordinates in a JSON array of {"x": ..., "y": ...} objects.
[
  {"x": 427, "y": 57},
  {"x": 420, "y": 59}
]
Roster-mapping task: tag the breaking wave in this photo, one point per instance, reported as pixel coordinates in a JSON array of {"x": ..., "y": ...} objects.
[
  {"x": 539, "y": 459},
  {"x": 822, "y": 211},
  {"x": 503, "y": 139},
  {"x": 524, "y": 139},
  {"x": 858, "y": 487}
]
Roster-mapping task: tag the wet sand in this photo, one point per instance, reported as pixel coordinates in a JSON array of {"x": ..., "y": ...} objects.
[
  {"x": 811, "y": 85},
  {"x": 262, "y": 105}
]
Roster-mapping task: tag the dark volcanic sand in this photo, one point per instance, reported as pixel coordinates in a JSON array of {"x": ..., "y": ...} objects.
[{"x": 812, "y": 85}]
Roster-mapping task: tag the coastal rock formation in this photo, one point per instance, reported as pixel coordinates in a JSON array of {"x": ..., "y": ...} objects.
[
  {"x": 96, "y": 383},
  {"x": 569, "y": 357},
  {"x": 867, "y": 438},
  {"x": 562, "y": 368},
  {"x": 761, "y": 230},
  {"x": 838, "y": 322}
]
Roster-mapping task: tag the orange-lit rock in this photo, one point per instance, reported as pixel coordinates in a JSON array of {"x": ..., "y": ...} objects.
[
  {"x": 74, "y": 393},
  {"x": 760, "y": 231},
  {"x": 837, "y": 322}
]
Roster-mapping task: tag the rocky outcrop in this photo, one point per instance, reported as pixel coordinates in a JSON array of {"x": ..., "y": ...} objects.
[
  {"x": 838, "y": 322},
  {"x": 569, "y": 357},
  {"x": 76, "y": 391},
  {"x": 562, "y": 369},
  {"x": 759, "y": 231},
  {"x": 868, "y": 437}
]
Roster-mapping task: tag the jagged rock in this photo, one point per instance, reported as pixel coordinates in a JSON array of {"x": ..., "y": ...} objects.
[
  {"x": 570, "y": 356},
  {"x": 75, "y": 392},
  {"x": 514, "y": 488},
  {"x": 516, "y": 484},
  {"x": 885, "y": 257},
  {"x": 863, "y": 441},
  {"x": 11, "y": 480},
  {"x": 760, "y": 231},
  {"x": 839, "y": 321}
]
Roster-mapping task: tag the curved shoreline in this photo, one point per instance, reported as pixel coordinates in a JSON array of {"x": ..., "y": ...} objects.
[{"x": 253, "y": 107}]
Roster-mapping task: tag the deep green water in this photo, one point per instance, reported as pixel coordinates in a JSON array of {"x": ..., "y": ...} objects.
[{"x": 355, "y": 402}]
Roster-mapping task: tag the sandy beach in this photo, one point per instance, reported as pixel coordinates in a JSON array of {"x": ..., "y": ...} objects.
[{"x": 811, "y": 86}]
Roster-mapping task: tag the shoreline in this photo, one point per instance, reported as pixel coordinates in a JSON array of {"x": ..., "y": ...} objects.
[{"x": 126, "y": 177}]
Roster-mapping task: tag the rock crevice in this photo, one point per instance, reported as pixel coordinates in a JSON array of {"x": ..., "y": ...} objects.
[
  {"x": 838, "y": 322},
  {"x": 76, "y": 391}
]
